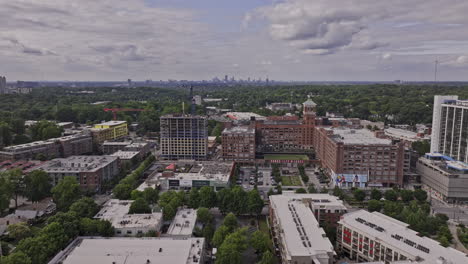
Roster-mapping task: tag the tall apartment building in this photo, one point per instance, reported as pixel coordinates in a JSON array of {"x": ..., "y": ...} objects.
[
  {"x": 90, "y": 171},
  {"x": 3, "y": 89},
  {"x": 297, "y": 233},
  {"x": 184, "y": 137},
  {"x": 450, "y": 127},
  {"x": 76, "y": 144},
  {"x": 238, "y": 143},
  {"x": 375, "y": 237},
  {"x": 287, "y": 133},
  {"x": 359, "y": 158}
]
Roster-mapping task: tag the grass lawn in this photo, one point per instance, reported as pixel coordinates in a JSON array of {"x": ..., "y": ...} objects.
[
  {"x": 291, "y": 181},
  {"x": 285, "y": 157}
]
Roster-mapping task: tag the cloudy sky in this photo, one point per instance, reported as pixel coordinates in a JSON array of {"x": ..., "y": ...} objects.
[{"x": 314, "y": 40}]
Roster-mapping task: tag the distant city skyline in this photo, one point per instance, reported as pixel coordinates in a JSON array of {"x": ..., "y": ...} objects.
[{"x": 300, "y": 40}]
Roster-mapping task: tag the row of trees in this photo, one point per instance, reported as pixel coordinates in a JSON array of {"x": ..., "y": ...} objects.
[
  {"x": 303, "y": 174},
  {"x": 123, "y": 190}
]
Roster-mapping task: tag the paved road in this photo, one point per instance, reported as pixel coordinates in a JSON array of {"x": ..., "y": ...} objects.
[
  {"x": 457, "y": 213},
  {"x": 456, "y": 242}
]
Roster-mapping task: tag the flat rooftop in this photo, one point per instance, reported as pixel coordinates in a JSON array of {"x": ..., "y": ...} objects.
[
  {"x": 357, "y": 137},
  {"x": 322, "y": 200},
  {"x": 243, "y": 116},
  {"x": 78, "y": 164},
  {"x": 401, "y": 133},
  {"x": 396, "y": 233},
  {"x": 183, "y": 222},
  {"x": 302, "y": 234},
  {"x": 239, "y": 130},
  {"x": 131, "y": 251},
  {"x": 125, "y": 155},
  {"x": 116, "y": 212},
  {"x": 112, "y": 123},
  {"x": 116, "y": 143}
]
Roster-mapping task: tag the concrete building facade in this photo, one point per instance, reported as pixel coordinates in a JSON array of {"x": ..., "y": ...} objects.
[{"x": 184, "y": 137}]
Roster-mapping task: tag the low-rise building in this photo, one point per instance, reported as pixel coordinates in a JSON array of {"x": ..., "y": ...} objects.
[
  {"x": 213, "y": 174},
  {"x": 37, "y": 209},
  {"x": 244, "y": 116},
  {"x": 125, "y": 224},
  {"x": 183, "y": 223},
  {"x": 297, "y": 233},
  {"x": 90, "y": 171},
  {"x": 444, "y": 178},
  {"x": 110, "y": 147},
  {"x": 238, "y": 143},
  {"x": 10, "y": 220},
  {"x": 117, "y": 250},
  {"x": 367, "y": 237},
  {"x": 127, "y": 156}
]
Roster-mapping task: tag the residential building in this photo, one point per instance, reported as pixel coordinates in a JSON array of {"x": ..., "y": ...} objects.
[
  {"x": 77, "y": 144},
  {"x": 359, "y": 158},
  {"x": 8, "y": 220},
  {"x": 243, "y": 116},
  {"x": 450, "y": 127},
  {"x": 184, "y": 137},
  {"x": 133, "y": 250},
  {"x": 125, "y": 224},
  {"x": 213, "y": 174},
  {"x": 110, "y": 147},
  {"x": 90, "y": 171},
  {"x": 327, "y": 209},
  {"x": 110, "y": 130},
  {"x": 368, "y": 237},
  {"x": 297, "y": 233},
  {"x": 238, "y": 143},
  {"x": 444, "y": 178},
  {"x": 34, "y": 210},
  {"x": 183, "y": 223},
  {"x": 127, "y": 156}
]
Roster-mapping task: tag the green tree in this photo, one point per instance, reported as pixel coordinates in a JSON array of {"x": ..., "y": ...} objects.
[
  {"x": 254, "y": 202},
  {"x": 230, "y": 252},
  {"x": 267, "y": 258},
  {"x": 312, "y": 189},
  {"x": 151, "y": 195},
  {"x": 359, "y": 195},
  {"x": 374, "y": 205},
  {"x": 324, "y": 190},
  {"x": 194, "y": 198},
  {"x": 139, "y": 206},
  {"x": 37, "y": 185},
  {"x": 301, "y": 190},
  {"x": 5, "y": 134},
  {"x": 204, "y": 215},
  {"x": 122, "y": 191},
  {"x": 135, "y": 194},
  {"x": 406, "y": 195},
  {"x": 422, "y": 147},
  {"x": 69, "y": 221},
  {"x": 420, "y": 195},
  {"x": 208, "y": 232},
  {"x": 14, "y": 180},
  {"x": 219, "y": 235},
  {"x": 376, "y": 194},
  {"x": 85, "y": 207},
  {"x": 66, "y": 192},
  {"x": 390, "y": 195},
  {"x": 207, "y": 197},
  {"x": 17, "y": 257},
  {"x": 230, "y": 221},
  {"x": 259, "y": 241},
  {"x": 19, "y": 231}
]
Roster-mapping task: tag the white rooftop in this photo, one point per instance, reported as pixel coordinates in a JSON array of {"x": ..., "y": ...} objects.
[
  {"x": 125, "y": 155},
  {"x": 322, "y": 200},
  {"x": 112, "y": 123},
  {"x": 397, "y": 233},
  {"x": 244, "y": 116},
  {"x": 183, "y": 222},
  {"x": 116, "y": 212},
  {"x": 78, "y": 164},
  {"x": 302, "y": 234},
  {"x": 239, "y": 130},
  {"x": 358, "y": 137},
  {"x": 154, "y": 250},
  {"x": 402, "y": 134}
]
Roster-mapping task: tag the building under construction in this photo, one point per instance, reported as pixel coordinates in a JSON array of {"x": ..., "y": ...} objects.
[{"x": 184, "y": 137}]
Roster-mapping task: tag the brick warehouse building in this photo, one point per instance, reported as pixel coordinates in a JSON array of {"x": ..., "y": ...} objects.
[
  {"x": 287, "y": 133},
  {"x": 359, "y": 158}
]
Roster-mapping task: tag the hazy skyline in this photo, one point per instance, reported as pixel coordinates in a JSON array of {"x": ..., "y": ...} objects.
[{"x": 185, "y": 39}]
